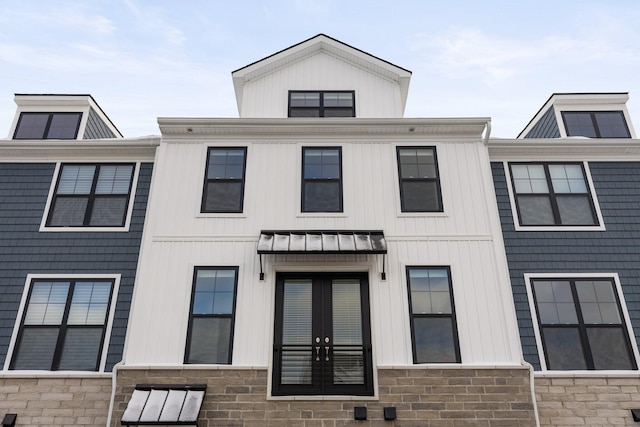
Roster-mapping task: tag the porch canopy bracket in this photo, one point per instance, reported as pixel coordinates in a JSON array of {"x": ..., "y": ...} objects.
[{"x": 308, "y": 242}]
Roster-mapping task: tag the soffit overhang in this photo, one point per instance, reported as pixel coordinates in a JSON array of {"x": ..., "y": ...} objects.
[
  {"x": 141, "y": 149},
  {"x": 582, "y": 148},
  {"x": 198, "y": 128},
  {"x": 312, "y": 46}
]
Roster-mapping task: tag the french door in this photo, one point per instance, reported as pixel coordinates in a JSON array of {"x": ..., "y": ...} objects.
[{"x": 322, "y": 340}]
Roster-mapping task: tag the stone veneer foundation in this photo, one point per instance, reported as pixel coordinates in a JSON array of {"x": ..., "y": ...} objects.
[
  {"x": 56, "y": 400},
  {"x": 587, "y": 400},
  {"x": 431, "y": 397}
]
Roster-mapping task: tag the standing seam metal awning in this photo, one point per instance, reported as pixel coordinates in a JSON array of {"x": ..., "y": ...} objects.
[
  {"x": 164, "y": 404},
  {"x": 325, "y": 242},
  {"x": 322, "y": 242}
]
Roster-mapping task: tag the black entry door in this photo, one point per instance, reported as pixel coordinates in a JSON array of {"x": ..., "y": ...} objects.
[{"x": 322, "y": 342}]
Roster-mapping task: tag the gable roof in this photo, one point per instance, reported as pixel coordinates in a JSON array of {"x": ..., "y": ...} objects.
[{"x": 320, "y": 42}]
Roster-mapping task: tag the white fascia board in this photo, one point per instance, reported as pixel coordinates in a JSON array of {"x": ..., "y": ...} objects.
[
  {"x": 549, "y": 149},
  {"x": 205, "y": 127},
  {"x": 130, "y": 149}
]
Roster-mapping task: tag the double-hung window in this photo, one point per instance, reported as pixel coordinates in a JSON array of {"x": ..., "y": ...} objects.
[
  {"x": 64, "y": 325},
  {"x": 581, "y": 324},
  {"x": 213, "y": 302},
  {"x": 224, "y": 180},
  {"x": 432, "y": 315},
  {"x": 419, "y": 179},
  {"x": 47, "y": 126},
  {"x": 321, "y": 179},
  {"x": 322, "y": 104},
  {"x": 91, "y": 195},
  {"x": 552, "y": 194},
  {"x": 596, "y": 124}
]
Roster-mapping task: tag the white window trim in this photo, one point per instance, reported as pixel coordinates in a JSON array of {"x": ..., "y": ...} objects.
[
  {"x": 594, "y": 198},
  {"x": 54, "y": 180},
  {"x": 110, "y": 316},
  {"x": 528, "y": 277}
]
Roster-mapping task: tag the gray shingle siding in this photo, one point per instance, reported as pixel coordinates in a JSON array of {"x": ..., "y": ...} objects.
[
  {"x": 24, "y": 250},
  {"x": 616, "y": 250},
  {"x": 96, "y": 128},
  {"x": 547, "y": 126}
]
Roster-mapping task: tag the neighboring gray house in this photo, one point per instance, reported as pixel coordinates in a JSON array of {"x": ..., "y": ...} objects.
[
  {"x": 568, "y": 192},
  {"x": 73, "y": 197}
]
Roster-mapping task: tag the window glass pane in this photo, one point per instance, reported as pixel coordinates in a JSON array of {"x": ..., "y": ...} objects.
[
  {"x": 429, "y": 291},
  {"x": 322, "y": 196},
  {"x": 64, "y": 126},
  {"x": 89, "y": 303},
  {"x": 76, "y": 179},
  {"x": 564, "y": 349},
  {"x": 535, "y": 210},
  {"x": 36, "y": 349},
  {"x": 529, "y": 179},
  {"x": 297, "y": 309},
  {"x": 347, "y": 316},
  {"x": 81, "y": 349},
  {"x": 338, "y": 112},
  {"x": 223, "y": 196},
  {"x": 304, "y": 112},
  {"x": 214, "y": 292},
  {"x": 420, "y": 196},
  {"x": 567, "y": 179},
  {"x": 338, "y": 99},
  {"x": 68, "y": 212},
  {"x": 47, "y": 303},
  {"x": 114, "y": 179},
  {"x": 210, "y": 340},
  {"x": 32, "y": 126},
  {"x": 579, "y": 124},
  {"x": 597, "y": 302},
  {"x": 108, "y": 211},
  {"x": 555, "y": 302},
  {"x": 434, "y": 340},
  {"x": 304, "y": 99},
  {"x": 612, "y": 125},
  {"x": 226, "y": 164},
  {"x": 575, "y": 210},
  {"x": 609, "y": 348}
]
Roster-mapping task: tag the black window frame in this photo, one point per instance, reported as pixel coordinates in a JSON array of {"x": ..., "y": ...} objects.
[
  {"x": 581, "y": 325},
  {"x": 321, "y": 108},
  {"x": 553, "y": 195},
  {"x": 451, "y": 316},
  {"x": 91, "y": 197},
  {"x": 47, "y": 128},
  {"x": 192, "y": 316},
  {"x": 63, "y": 327},
  {"x": 211, "y": 181},
  {"x": 321, "y": 385},
  {"x": 305, "y": 181},
  {"x": 593, "y": 115},
  {"x": 403, "y": 180}
]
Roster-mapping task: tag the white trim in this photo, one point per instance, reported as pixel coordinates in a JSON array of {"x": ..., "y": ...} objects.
[
  {"x": 514, "y": 210},
  {"x": 536, "y": 328},
  {"x": 108, "y": 326},
  {"x": 54, "y": 181}
]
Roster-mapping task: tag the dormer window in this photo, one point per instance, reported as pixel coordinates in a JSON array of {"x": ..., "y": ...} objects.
[
  {"x": 321, "y": 104},
  {"x": 47, "y": 126},
  {"x": 596, "y": 124}
]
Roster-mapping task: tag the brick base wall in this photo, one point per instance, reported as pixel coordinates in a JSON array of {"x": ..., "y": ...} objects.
[
  {"x": 587, "y": 401},
  {"x": 422, "y": 397},
  {"x": 56, "y": 401}
]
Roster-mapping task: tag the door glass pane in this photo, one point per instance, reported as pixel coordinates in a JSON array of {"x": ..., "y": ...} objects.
[
  {"x": 296, "y": 332},
  {"x": 348, "y": 356}
]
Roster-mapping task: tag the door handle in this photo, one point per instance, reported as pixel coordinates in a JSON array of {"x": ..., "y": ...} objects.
[
  {"x": 326, "y": 353},
  {"x": 317, "y": 353}
]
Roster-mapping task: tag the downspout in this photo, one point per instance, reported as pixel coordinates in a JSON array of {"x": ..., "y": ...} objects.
[
  {"x": 114, "y": 375},
  {"x": 485, "y": 141}
]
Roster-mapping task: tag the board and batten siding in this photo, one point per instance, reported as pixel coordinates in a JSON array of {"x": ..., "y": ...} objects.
[
  {"x": 375, "y": 96},
  {"x": 178, "y": 238}
]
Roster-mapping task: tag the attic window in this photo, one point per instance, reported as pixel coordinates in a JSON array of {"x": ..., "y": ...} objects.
[
  {"x": 322, "y": 104},
  {"x": 47, "y": 126},
  {"x": 596, "y": 124}
]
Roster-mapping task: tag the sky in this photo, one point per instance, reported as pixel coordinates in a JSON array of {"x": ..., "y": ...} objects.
[{"x": 143, "y": 59}]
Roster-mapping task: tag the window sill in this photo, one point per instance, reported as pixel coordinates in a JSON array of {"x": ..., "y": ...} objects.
[
  {"x": 560, "y": 228},
  {"x": 422, "y": 215},
  {"x": 84, "y": 229},
  {"x": 321, "y": 215},
  {"x": 238, "y": 215}
]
